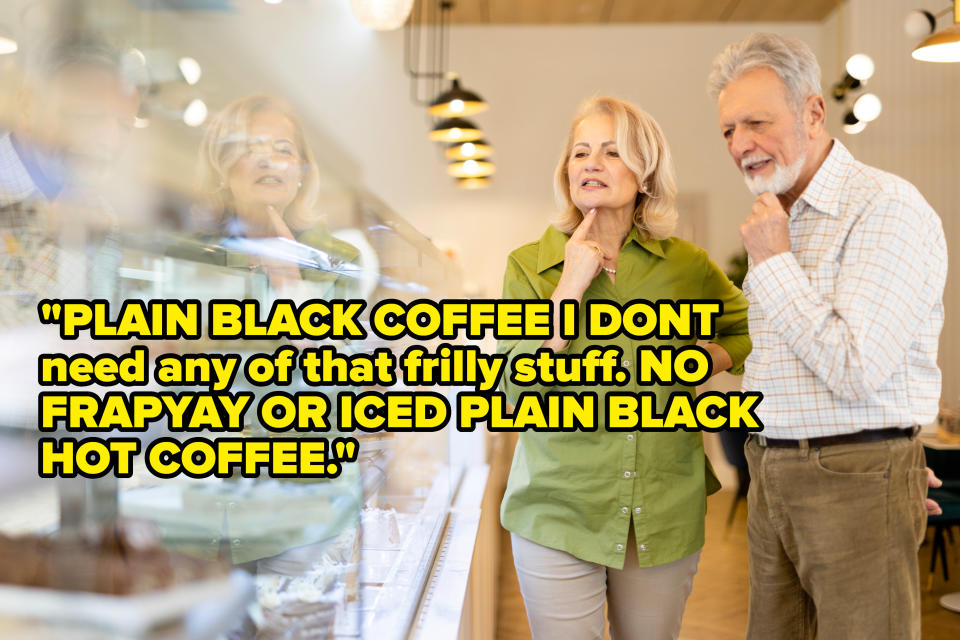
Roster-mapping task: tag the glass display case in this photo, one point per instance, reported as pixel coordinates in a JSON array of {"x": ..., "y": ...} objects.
[
  {"x": 343, "y": 557},
  {"x": 123, "y": 187}
]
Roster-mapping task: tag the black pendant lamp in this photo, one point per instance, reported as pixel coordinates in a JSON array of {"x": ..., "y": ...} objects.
[
  {"x": 466, "y": 150},
  {"x": 455, "y": 130},
  {"x": 457, "y": 102}
]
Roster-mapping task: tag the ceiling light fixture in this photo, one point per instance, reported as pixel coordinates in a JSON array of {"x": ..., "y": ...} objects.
[
  {"x": 471, "y": 169},
  {"x": 466, "y": 150},
  {"x": 457, "y": 102},
  {"x": 473, "y": 183},
  {"x": 195, "y": 114},
  {"x": 943, "y": 46},
  {"x": 859, "y": 69},
  {"x": 7, "y": 44},
  {"x": 381, "y": 15},
  {"x": 852, "y": 125},
  {"x": 427, "y": 67},
  {"x": 867, "y": 107},
  {"x": 455, "y": 130},
  {"x": 919, "y": 24},
  {"x": 190, "y": 70},
  {"x": 860, "y": 66}
]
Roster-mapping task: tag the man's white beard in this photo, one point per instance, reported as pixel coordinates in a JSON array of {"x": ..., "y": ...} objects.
[{"x": 783, "y": 178}]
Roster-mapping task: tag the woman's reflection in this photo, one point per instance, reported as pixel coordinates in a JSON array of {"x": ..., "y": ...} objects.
[{"x": 258, "y": 179}]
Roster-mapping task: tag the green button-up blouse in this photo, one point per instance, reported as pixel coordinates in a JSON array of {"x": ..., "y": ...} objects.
[{"x": 579, "y": 491}]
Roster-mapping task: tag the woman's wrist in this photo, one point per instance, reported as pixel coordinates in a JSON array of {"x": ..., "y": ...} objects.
[{"x": 720, "y": 360}]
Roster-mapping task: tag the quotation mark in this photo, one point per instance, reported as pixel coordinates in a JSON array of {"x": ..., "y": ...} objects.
[
  {"x": 344, "y": 450},
  {"x": 50, "y": 311}
]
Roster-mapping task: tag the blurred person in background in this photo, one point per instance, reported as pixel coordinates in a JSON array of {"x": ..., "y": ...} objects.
[
  {"x": 257, "y": 178},
  {"x": 846, "y": 279},
  {"x": 601, "y": 517},
  {"x": 74, "y": 113}
]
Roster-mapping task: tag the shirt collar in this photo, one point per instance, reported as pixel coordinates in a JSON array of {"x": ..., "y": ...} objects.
[
  {"x": 553, "y": 242},
  {"x": 823, "y": 192}
]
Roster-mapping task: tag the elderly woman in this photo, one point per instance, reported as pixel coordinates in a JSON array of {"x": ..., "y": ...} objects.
[
  {"x": 615, "y": 517},
  {"x": 258, "y": 178}
]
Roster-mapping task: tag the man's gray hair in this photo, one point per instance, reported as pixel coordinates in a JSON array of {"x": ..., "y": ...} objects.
[{"x": 789, "y": 58}]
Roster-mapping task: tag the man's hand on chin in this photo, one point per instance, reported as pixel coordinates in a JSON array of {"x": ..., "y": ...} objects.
[{"x": 765, "y": 232}]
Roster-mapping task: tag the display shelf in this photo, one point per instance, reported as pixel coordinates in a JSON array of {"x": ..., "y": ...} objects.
[{"x": 441, "y": 608}]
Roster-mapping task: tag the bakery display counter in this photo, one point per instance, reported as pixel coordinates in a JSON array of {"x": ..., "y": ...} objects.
[
  {"x": 345, "y": 557},
  {"x": 113, "y": 580}
]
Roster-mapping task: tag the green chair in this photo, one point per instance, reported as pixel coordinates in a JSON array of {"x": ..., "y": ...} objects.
[{"x": 950, "y": 503}]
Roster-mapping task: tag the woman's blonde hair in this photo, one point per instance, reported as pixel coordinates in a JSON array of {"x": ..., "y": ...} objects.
[
  {"x": 225, "y": 140},
  {"x": 643, "y": 149}
]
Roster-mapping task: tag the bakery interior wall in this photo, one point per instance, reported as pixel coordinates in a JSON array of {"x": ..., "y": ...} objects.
[{"x": 916, "y": 136}]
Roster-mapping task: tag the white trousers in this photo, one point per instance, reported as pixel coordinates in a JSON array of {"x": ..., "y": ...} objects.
[{"x": 564, "y": 596}]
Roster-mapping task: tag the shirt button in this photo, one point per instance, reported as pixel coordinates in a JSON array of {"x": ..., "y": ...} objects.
[
  {"x": 629, "y": 437},
  {"x": 626, "y": 474},
  {"x": 624, "y": 510},
  {"x": 236, "y": 542},
  {"x": 638, "y": 510},
  {"x": 619, "y": 547},
  {"x": 643, "y": 547},
  {"x": 626, "y": 363}
]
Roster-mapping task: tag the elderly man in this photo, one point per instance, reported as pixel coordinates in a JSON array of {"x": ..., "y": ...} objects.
[
  {"x": 845, "y": 285},
  {"x": 75, "y": 111}
]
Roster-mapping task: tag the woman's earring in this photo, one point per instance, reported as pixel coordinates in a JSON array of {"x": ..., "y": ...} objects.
[{"x": 300, "y": 184}]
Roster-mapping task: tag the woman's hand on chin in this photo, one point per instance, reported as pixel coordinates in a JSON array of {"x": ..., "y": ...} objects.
[
  {"x": 582, "y": 261},
  {"x": 276, "y": 226},
  {"x": 263, "y": 220}
]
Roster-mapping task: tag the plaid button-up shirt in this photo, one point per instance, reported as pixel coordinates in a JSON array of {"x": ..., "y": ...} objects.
[{"x": 845, "y": 326}]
